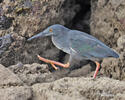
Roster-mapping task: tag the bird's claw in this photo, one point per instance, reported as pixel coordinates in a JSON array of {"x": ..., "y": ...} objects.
[
  {"x": 66, "y": 65},
  {"x": 53, "y": 66}
]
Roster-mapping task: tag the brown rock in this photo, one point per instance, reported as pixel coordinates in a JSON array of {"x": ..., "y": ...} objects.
[
  {"x": 33, "y": 16},
  {"x": 34, "y": 73},
  {"x": 16, "y": 93},
  {"x": 107, "y": 24},
  {"x": 80, "y": 89},
  {"x": 8, "y": 78},
  {"x": 26, "y": 52},
  {"x": 29, "y": 18},
  {"x": 121, "y": 42}
]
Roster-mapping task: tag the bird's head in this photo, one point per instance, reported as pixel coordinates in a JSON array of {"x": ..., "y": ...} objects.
[{"x": 50, "y": 31}]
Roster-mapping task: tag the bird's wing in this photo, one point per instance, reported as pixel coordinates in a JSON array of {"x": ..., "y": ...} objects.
[{"x": 88, "y": 46}]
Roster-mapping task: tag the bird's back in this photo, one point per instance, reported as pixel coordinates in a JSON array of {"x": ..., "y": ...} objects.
[{"x": 88, "y": 46}]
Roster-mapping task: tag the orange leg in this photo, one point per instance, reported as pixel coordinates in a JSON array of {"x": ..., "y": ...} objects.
[
  {"x": 97, "y": 69},
  {"x": 53, "y": 63},
  {"x": 54, "y": 66}
]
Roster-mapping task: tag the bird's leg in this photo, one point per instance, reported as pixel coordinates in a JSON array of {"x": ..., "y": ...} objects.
[
  {"x": 54, "y": 66},
  {"x": 53, "y": 63},
  {"x": 47, "y": 61},
  {"x": 97, "y": 69}
]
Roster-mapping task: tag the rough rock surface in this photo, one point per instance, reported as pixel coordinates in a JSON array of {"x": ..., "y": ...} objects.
[
  {"x": 26, "y": 52},
  {"x": 27, "y": 17},
  {"x": 31, "y": 74},
  {"x": 35, "y": 73},
  {"x": 24, "y": 82},
  {"x": 16, "y": 93},
  {"x": 107, "y": 24},
  {"x": 8, "y": 78},
  {"x": 80, "y": 89},
  {"x": 11, "y": 86},
  {"x": 5, "y": 42}
]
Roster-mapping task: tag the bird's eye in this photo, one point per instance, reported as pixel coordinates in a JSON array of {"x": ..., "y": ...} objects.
[{"x": 50, "y": 30}]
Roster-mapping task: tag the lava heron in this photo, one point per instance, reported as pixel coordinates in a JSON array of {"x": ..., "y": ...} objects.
[{"x": 77, "y": 44}]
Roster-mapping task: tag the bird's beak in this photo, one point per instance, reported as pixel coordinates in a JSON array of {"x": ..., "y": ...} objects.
[{"x": 41, "y": 34}]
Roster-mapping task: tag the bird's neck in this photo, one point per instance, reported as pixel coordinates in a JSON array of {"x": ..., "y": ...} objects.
[{"x": 61, "y": 42}]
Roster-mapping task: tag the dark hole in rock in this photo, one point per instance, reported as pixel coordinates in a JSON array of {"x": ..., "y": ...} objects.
[
  {"x": 105, "y": 20},
  {"x": 115, "y": 30},
  {"x": 0, "y": 43},
  {"x": 111, "y": 25},
  {"x": 114, "y": 69},
  {"x": 1, "y": 1},
  {"x": 82, "y": 18},
  {"x": 110, "y": 76}
]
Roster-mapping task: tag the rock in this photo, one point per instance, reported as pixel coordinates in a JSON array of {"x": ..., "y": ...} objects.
[
  {"x": 31, "y": 17},
  {"x": 34, "y": 73},
  {"x": 8, "y": 78},
  {"x": 83, "y": 71},
  {"x": 121, "y": 42},
  {"x": 80, "y": 89},
  {"x": 11, "y": 87},
  {"x": 107, "y": 24},
  {"x": 114, "y": 68},
  {"x": 5, "y": 22},
  {"x": 26, "y": 52},
  {"x": 16, "y": 93},
  {"x": 5, "y": 42}
]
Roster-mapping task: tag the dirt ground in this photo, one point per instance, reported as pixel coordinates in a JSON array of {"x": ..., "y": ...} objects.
[{"x": 24, "y": 77}]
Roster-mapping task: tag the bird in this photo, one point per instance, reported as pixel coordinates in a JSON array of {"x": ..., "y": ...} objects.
[{"x": 79, "y": 45}]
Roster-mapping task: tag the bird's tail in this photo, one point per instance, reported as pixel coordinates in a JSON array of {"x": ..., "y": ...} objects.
[{"x": 114, "y": 54}]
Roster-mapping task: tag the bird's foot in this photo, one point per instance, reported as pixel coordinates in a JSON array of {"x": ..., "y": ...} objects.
[
  {"x": 53, "y": 63},
  {"x": 66, "y": 65},
  {"x": 53, "y": 66}
]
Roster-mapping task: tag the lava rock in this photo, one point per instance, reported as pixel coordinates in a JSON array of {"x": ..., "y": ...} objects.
[
  {"x": 5, "y": 42},
  {"x": 16, "y": 93},
  {"x": 8, "y": 78},
  {"x": 107, "y": 24},
  {"x": 5, "y": 22},
  {"x": 80, "y": 89}
]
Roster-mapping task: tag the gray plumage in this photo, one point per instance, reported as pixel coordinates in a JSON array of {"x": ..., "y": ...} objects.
[{"x": 77, "y": 43}]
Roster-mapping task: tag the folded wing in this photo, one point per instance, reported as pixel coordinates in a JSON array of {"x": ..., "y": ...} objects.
[{"x": 88, "y": 46}]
